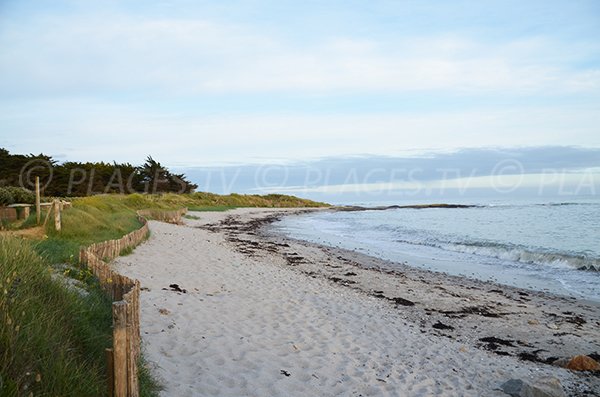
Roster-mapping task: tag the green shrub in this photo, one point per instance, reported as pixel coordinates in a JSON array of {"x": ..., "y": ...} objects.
[{"x": 12, "y": 195}]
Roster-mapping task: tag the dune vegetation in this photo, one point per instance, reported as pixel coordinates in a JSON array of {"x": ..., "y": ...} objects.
[
  {"x": 55, "y": 320},
  {"x": 52, "y": 338}
]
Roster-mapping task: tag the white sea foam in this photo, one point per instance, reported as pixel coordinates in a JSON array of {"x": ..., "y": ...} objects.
[{"x": 557, "y": 242}]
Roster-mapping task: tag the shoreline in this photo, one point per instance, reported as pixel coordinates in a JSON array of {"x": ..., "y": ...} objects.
[
  {"x": 403, "y": 264},
  {"x": 557, "y": 271},
  {"x": 504, "y": 327},
  {"x": 480, "y": 298}
]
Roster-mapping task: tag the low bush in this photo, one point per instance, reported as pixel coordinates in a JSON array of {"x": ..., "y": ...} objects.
[{"x": 13, "y": 195}]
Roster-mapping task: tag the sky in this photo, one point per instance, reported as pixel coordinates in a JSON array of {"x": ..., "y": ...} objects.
[{"x": 211, "y": 84}]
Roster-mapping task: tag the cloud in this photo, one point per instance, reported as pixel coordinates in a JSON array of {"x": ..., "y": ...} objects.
[
  {"x": 122, "y": 53},
  {"x": 256, "y": 82},
  {"x": 461, "y": 169},
  {"x": 96, "y": 130}
]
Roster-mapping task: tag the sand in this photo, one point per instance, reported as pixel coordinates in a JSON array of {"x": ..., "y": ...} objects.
[{"x": 264, "y": 315}]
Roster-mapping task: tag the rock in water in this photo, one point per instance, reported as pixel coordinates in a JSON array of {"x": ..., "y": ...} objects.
[
  {"x": 583, "y": 363},
  {"x": 543, "y": 387}
]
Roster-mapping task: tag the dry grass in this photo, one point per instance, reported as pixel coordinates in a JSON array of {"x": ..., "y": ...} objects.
[{"x": 32, "y": 233}]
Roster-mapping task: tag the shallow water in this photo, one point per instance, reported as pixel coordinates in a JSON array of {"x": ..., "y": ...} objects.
[{"x": 551, "y": 246}]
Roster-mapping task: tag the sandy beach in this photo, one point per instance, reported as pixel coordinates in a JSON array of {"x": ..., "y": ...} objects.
[{"x": 231, "y": 309}]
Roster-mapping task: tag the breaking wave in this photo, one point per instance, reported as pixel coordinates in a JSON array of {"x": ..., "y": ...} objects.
[{"x": 579, "y": 261}]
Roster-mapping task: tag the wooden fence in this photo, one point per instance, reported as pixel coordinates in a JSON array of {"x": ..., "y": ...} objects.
[
  {"x": 123, "y": 358},
  {"x": 8, "y": 214}
]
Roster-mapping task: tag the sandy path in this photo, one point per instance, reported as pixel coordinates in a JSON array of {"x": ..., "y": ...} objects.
[{"x": 250, "y": 326}]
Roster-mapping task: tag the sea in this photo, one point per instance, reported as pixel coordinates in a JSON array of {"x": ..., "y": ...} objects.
[{"x": 544, "y": 245}]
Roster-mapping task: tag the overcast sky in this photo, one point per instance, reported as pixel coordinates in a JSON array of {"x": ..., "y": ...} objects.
[{"x": 207, "y": 83}]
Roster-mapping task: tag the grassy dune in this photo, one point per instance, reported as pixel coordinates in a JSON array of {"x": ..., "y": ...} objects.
[
  {"x": 52, "y": 338},
  {"x": 104, "y": 217}
]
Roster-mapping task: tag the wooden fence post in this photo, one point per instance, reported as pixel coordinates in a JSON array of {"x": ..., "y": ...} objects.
[
  {"x": 48, "y": 214},
  {"x": 38, "y": 210},
  {"x": 132, "y": 380},
  {"x": 110, "y": 370},
  {"x": 120, "y": 348},
  {"x": 57, "y": 224}
]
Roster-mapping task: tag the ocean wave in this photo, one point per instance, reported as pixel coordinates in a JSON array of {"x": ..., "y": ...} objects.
[
  {"x": 563, "y": 204},
  {"x": 525, "y": 205},
  {"x": 515, "y": 254},
  {"x": 357, "y": 208},
  {"x": 352, "y": 208}
]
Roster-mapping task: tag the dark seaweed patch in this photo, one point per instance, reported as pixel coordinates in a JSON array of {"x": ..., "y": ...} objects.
[
  {"x": 440, "y": 325},
  {"x": 499, "y": 341}
]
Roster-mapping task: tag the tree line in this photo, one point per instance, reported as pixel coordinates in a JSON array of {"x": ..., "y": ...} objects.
[{"x": 75, "y": 179}]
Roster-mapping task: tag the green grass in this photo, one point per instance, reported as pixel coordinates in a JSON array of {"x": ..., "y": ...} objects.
[
  {"x": 233, "y": 200},
  {"x": 31, "y": 220},
  {"x": 83, "y": 325},
  {"x": 148, "y": 385},
  {"x": 92, "y": 219},
  {"x": 126, "y": 251},
  {"x": 57, "y": 333},
  {"x": 104, "y": 217},
  {"x": 52, "y": 339}
]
